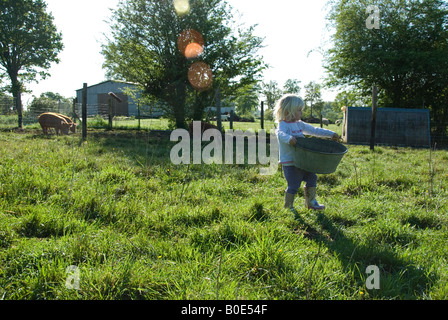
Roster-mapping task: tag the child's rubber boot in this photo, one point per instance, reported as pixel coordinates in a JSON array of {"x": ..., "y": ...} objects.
[
  {"x": 310, "y": 199},
  {"x": 289, "y": 201}
]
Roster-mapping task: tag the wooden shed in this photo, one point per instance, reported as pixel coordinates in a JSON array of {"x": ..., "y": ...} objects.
[
  {"x": 394, "y": 126},
  {"x": 98, "y": 99}
]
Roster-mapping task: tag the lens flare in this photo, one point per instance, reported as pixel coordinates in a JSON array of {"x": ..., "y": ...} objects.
[
  {"x": 200, "y": 76},
  {"x": 190, "y": 43},
  {"x": 193, "y": 50},
  {"x": 182, "y": 7}
]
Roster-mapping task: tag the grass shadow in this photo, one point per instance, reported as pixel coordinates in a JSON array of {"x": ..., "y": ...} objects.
[
  {"x": 144, "y": 148},
  {"x": 399, "y": 278}
]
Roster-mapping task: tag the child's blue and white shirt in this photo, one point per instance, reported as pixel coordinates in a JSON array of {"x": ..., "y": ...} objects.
[{"x": 297, "y": 129}]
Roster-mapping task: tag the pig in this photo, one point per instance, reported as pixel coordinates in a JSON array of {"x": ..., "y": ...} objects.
[
  {"x": 52, "y": 120},
  {"x": 67, "y": 119}
]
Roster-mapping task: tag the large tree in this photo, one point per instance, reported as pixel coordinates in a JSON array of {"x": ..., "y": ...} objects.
[
  {"x": 50, "y": 102},
  {"x": 313, "y": 96},
  {"x": 292, "y": 86},
  {"x": 29, "y": 43},
  {"x": 405, "y": 54},
  {"x": 247, "y": 99},
  {"x": 147, "y": 46},
  {"x": 271, "y": 92}
]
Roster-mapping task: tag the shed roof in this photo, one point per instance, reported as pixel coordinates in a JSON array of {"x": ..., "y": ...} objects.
[{"x": 107, "y": 81}]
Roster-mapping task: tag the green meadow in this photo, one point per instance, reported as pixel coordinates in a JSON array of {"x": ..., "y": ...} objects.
[{"x": 134, "y": 226}]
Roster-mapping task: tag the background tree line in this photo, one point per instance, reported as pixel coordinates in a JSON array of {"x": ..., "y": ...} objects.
[
  {"x": 406, "y": 57},
  {"x": 29, "y": 43}
]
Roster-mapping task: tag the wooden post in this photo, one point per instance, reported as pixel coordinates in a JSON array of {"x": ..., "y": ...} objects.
[
  {"x": 262, "y": 115},
  {"x": 373, "y": 120},
  {"x": 113, "y": 98},
  {"x": 84, "y": 112},
  {"x": 218, "y": 110},
  {"x": 138, "y": 114},
  {"x": 232, "y": 115},
  {"x": 75, "y": 101},
  {"x": 110, "y": 116}
]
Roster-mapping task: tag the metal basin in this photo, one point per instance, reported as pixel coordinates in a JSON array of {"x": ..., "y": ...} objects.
[{"x": 318, "y": 155}]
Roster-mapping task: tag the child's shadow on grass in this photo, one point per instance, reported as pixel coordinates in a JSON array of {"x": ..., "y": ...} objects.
[{"x": 399, "y": 278}]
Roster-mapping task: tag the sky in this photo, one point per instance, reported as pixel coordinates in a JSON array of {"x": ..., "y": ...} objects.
[{"x": 294, "y": 30}]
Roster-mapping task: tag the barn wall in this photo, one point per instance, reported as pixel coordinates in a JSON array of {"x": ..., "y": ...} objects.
[
  {"x": 119, "y": 108},
  {"x": 395, "y": 127},
  {"x": 95, "y": 97}
]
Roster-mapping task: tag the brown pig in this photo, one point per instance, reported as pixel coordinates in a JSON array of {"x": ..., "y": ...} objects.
[
  {"x": 67, "y": 119},
  {"x": 52, "y": 120}
]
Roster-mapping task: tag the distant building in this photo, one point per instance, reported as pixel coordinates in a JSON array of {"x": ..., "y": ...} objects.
[
  {"x": 224, "y": 110},
  {"x": 226, "y": 107},
  {"x": 98, "y": 100},
  {"x": 394, "y": 126}
]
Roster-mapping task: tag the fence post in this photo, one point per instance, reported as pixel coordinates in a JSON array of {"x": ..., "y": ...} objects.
[
  {"x": 113, "y": 98},
  {"x": 262, "y": 115},
  {"x": 75, "y": 101},
  {"x": 373, "y": 120},
  {"x": 84, "y": 112},
  {"x": 218, "y": 110},
  {"x": 110, "y": 114}
]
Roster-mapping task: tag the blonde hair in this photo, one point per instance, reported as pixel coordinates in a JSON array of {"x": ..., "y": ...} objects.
[{"x": 287, "y": 106}]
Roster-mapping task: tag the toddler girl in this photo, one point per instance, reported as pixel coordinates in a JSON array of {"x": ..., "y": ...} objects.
[{"x": 288, "y": 114}]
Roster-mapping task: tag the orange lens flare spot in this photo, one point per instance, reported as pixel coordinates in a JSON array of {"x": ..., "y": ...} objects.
[
  {"x": 200, "y": 76},
  {"x": 188, "y": 38},
  {"x": 193, "y": 50}
]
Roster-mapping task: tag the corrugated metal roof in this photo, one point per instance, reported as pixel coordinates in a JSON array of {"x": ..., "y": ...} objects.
[{"x": 108, "y": 81}]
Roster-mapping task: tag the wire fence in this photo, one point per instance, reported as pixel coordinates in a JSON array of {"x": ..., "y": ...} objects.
[
  {"x": 9, "y": 115},
  {"x": 98, "y": 117}
]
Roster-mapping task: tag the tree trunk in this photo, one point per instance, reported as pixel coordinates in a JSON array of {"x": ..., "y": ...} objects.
[
  {"x": 17, "y": 95},
  {"x": 198, "y": 108},
  {"x": 397, "y": 95},
  {"x": 179, "y": 105},
  {"x": 180, "y": 117}
]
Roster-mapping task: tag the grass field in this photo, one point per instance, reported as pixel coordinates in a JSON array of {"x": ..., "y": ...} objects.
[
  {"x": 7, "y": 122},
  {"x": 134, "y": 226}
]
